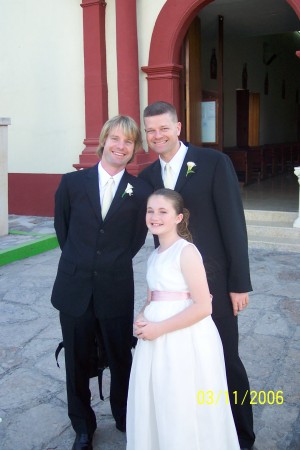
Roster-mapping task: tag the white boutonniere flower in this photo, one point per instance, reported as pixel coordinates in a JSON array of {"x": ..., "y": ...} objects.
[
  {"x": 190, "y": 166},
  {"x": 128, "y": 190}
]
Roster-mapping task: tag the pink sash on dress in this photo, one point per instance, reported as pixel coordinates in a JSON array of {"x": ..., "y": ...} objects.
[{"x": 169, "y": 295}]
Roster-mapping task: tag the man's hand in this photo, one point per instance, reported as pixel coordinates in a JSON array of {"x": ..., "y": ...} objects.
[{"x": 239, "y": 301}]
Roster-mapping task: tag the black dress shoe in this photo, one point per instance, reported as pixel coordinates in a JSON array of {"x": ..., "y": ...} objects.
[{"x": 83, "y": 442}]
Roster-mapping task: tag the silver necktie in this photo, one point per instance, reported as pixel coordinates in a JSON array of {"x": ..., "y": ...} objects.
[
  {"x": 168, "y": 177},
  {"x": 107, "y": 196}
]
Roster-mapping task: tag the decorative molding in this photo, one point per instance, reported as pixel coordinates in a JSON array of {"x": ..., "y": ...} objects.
[
  {"x": 92, "y": 3},
  {"x": 163, "y": 71},
  {"x": 4, "y": 121},
  {"x": 95, "y": 79},
  {"x": 127, "y": 67}
]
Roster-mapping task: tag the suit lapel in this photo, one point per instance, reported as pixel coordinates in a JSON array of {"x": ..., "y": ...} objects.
[
  {"x": 156, "y": 176},
  {"x": 92, "y": 189},
  {"x": 183, "y": 177},
  {"x": 118, "y": 199}
]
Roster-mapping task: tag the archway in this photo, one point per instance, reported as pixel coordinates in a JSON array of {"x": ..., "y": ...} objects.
[{"x": 163, "y": 71}]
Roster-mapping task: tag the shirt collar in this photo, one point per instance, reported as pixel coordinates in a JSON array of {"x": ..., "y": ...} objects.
[
  {"x": 177, "y": 160},
  {"x": 104, "y": 176}
]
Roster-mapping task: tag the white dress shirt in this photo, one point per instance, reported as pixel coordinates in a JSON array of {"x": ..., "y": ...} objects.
[
  {"x": 175, "y": 163},
  {"x": 103, "y": 177}
]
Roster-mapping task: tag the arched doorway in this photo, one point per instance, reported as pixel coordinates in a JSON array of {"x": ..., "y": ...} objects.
[{"x": 165, "y": 69}]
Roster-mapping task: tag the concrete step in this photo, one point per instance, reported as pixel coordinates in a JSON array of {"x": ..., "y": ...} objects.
[
  {"x": 270, "y": 216},
  {"x": 273, "y": 230},
  {"x": 284, "y": 245}
]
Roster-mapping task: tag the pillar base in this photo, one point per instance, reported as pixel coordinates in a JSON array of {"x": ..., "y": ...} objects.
[
  {"x": 296, "y": 224},
  {"x": 89, "y": 158}
]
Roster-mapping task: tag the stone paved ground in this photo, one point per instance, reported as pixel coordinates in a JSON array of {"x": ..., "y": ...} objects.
[
  {"x": 32, "y": 388},
  {"x": 31, "y": 227}
]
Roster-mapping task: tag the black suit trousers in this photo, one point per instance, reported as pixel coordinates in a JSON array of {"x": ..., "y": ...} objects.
[
  {"x": 237, "y": 380},
  {"x": 79, "y": 335}
]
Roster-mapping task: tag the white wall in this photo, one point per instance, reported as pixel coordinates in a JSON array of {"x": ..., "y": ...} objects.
[
  {"x": 42, "y": 80},
  {"x": 42, "y": 83}
]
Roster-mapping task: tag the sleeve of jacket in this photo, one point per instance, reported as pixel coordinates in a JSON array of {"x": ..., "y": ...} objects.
[
  {"x": 141, "y": 229},
  {"x": 147, "y": 175},
  {"x": 62, "y": 212},
  {"x": 230, "y": 213}
]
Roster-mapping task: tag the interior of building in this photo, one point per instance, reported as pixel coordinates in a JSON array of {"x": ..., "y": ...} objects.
[{"x": 242, "y": 70}]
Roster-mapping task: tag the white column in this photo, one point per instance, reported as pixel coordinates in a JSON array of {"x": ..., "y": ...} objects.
[
  {"x": 4, "y": 122},
  {"x": 297, "y": 173}
]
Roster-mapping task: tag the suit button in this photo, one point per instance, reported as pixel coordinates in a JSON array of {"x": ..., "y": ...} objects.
[
  {"x": 101, "y": 231},
  {"x": 98, "y": 252},
  {"x": 95, "y": 273}
]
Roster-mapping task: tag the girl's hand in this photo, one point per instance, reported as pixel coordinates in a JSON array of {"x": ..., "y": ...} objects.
[
  {"x": 140, "y": 318},
  {"x": 148, "y": 330}
]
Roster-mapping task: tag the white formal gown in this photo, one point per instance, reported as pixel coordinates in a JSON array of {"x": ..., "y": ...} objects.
[{"x": 178, "y": 396}]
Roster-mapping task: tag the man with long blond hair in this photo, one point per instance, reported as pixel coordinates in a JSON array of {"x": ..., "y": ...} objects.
[{"x": 100, "y": 226}]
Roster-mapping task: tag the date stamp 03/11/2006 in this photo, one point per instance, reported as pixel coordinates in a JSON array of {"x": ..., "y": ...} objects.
[{"x": 252, "y": 397}]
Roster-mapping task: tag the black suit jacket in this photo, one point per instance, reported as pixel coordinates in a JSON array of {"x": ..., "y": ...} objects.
[
  {"x": 97, "y": 254},
  {"x": 217, "y": 220}
]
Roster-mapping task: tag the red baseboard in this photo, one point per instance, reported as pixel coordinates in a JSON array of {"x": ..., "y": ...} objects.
[{"x": 32, "y": 194}]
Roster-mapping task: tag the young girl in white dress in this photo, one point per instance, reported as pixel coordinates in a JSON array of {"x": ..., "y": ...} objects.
[{"x": 178, "y": 397}]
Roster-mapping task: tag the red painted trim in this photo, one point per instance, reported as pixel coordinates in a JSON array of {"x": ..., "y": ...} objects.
[
  {"x": 127, "y": 59},
  {"x": 165, "y": 85},
  {"x": 128, "y": 76},
  {"x": 163, "y": 82},
  {"x": 168, "y": 34},
  {"x": 162, "y": 71},
  {"x": 95, "y": 79},
  {"x": 141, "y": 160},
  {"x": 32, "y": 193},
  {"x": 170, "y": 28},
  {"x": 295, "y": 4},
  {"x": 164, "y": 58},
  {"x": 172, "y": 24}
]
